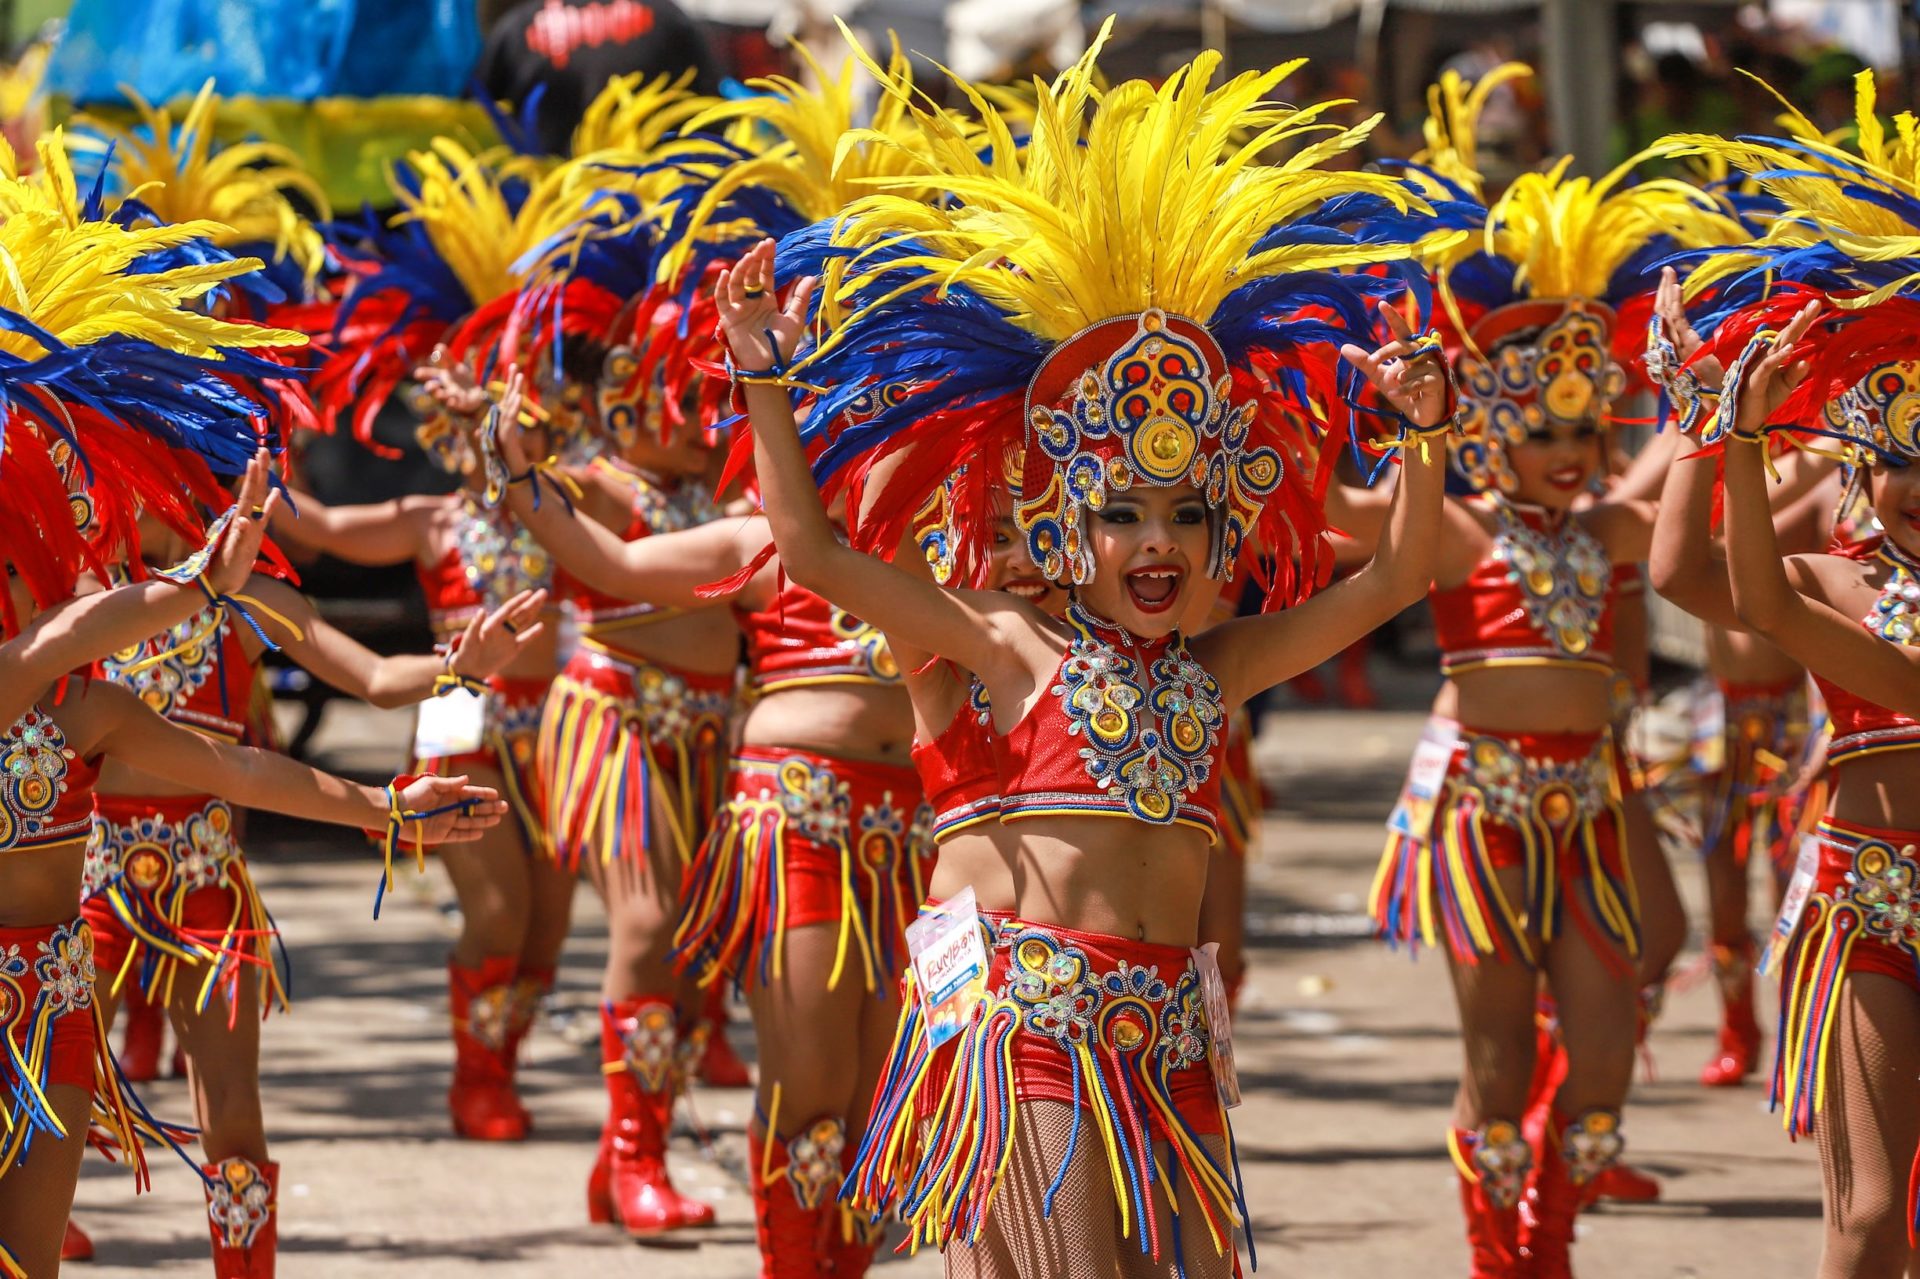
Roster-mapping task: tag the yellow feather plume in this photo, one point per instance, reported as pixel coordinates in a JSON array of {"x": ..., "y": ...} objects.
[
  {"x": 1452, "y": 126},
  {"x": 1818, "y": 210},
  {"x": 71, "y": 279},
  {"x": 242, "y": 188},
  {"x": 1122, "y": 200},
  {"x": 807, "y": 147},
  {"x": 462, "y": 204}
]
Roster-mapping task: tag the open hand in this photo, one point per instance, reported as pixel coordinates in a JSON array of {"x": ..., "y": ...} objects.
[
  {"x": 452, "y": 385},
  {"x": 237, "y": 545},
  {"x": 1416, "y": 388},
  {"x": 1669, "y": 305},
  {"x": 762, "y": 333},
  {"x": 491, "y": 642},
  {"x": 1773, "y": 377},
  {"x": 484, "y": 809}
]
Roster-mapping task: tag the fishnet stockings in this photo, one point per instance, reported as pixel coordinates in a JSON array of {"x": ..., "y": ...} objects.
[
  {"x": 1869, "y": 1129},
  {"x": 1081, "y": 1238}
]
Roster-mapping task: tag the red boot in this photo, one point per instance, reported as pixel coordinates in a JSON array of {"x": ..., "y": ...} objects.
[
  {"x": 142, "y": 1040},
  {"x": 1493, "y": 1164},
  {"x": 1566, "y": 1165},
  {"x": 1739, "y": 1049},
  {"x": 76, "y": 1246},
  {"x": 796, "y": 1217},
  {"x": 243, "y": 1216},
  {"x": 718, "y": 1066},
  {"x": 629, "y": 1182},
  {"x": 530, "y": 986},
  {"x": 481, "y": 1099}
]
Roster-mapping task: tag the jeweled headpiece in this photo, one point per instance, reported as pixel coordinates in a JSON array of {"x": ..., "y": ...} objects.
[
  {"x": 1038, "y": 301},
  {"x": 1545, "y": 297}
]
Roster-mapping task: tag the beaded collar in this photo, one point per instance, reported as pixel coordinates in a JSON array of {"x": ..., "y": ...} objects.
[
  {"x": 1896, "y": 614},
  {"x": 1150, "y": 743},
  {"x": 1561, "y": 570},
  {"x": 500, "y": 558}
]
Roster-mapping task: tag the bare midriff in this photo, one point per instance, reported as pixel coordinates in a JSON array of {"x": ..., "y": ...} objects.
[
  {"x": 871, "y": 722},
  {"x": 1529, "y": 699}
]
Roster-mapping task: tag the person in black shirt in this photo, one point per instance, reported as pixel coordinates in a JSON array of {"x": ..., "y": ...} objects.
[{"x": 571, "y": 48}]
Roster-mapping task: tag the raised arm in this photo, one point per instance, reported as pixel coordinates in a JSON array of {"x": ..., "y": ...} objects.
[
  {"x": 488, "y": 646},
  {"x": 253, "y": 778},
  {"x": 666, "y": 570},
  {"x": 1250, "y": 654},
  {"x": 1682, "y": 564},
  {"x": 78, "y": 631},
  {"x": 990, "y": 633}
]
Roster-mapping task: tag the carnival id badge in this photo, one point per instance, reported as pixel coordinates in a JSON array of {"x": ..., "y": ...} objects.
[
  {"x": 1806, "y": 870},
  {"x": 1213, "y": 994},
  {"x": 1420, "y": 798},
  {"x": 949, "y": 966},
  {"x": 455, "y": 723}
]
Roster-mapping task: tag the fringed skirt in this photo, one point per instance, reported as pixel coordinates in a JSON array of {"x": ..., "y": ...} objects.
[
  {"x": 807, "y": 839},
  {"x": 168, "y": 895},
  {"x": 53, "y": 1036},
  {"x": 1113, "y": 1027},
  {"x": 1764, "y": 743},
  {"x": 625, "y": 744},
  {"x": 1545, "y": 802},
  {"x": 513, "y": 713}
]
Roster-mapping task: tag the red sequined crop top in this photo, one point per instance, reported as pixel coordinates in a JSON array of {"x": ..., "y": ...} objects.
[
  {"x": 46, "y": 792},
  {"x": 196, "y": 674},
  {"x": 1861, "y": 727},
  {"x": 492, "y": 559},
  {"x": 654, "y": 510},
  {"x": 800, "y": 639},
  {"x": 957, "y": 769},
  {"x": 1542, "y": 597},
  {"x": 1129, "y": 728}
]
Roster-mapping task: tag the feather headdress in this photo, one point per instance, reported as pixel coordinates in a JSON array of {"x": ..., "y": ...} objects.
[
  {"x": 1848, "y": 231},
  {"x": 174, "y": 173},
  {"x": 116, "y": 394},
  {"x": 1122, "y": 294},
  {"x": 1545, "y": 299},
  {"x": 447, "y": 268}
]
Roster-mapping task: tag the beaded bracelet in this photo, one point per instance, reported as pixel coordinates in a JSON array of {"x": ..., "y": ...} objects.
[{"x": 1724, "y": 423}]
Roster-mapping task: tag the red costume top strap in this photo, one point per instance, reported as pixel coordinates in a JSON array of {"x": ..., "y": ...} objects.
[
  {"x": 1861, "y": 727},
  {"x": 654, "y": 510},
  {"x": 46, "y": 791},
  {"x": 1542, "y": 597},
  {"x": 1129, "y": 728},
  {"x": 492, "y": 559},
  {"x": 957, "y": 768},
  {"x": 203, "y": 678},
  {"x": 800, "y": 639}
]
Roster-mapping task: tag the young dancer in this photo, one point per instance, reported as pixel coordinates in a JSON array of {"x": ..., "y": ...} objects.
[
  {"x": 1093, "y": 1012},
  {"x": 1509, "y": 846},
  {"x": 1846, "y": 944}
]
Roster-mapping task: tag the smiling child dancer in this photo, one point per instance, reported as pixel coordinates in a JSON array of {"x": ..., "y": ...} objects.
[
  {"x": 1849, "y": 953},
  {"x": 813, "y": 867},
  {"x": 1081, "y": 1106},
  {"x": 442, "y": 274},
  {"x": 1508, "y": 844},
  {"x": 148, "y": 367}
]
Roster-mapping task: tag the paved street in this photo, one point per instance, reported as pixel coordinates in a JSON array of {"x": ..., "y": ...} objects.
[{"x": 1347, "y": 1054}]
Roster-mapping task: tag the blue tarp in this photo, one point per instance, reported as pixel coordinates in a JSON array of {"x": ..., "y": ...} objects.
[{"x": 300, "y": 49}]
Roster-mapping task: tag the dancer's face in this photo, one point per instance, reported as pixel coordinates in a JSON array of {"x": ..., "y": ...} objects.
[
  {"x": 1012, "y": 570},
  {"x": 1555, "y": 465},
  {"x": 1149, "y": 554},
  {"x": 1896, "y": 503}
]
